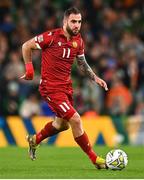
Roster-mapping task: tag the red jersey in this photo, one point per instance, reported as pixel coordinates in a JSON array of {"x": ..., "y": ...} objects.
[{"x": 58, "y": 55}]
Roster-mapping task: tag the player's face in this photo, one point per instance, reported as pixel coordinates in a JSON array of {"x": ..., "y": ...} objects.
[{"x": 73, "y": 24}]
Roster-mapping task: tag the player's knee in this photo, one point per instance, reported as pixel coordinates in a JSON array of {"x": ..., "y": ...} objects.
[
  {"x": 59, "y": 125},
  {"x": 65, "y": 126},
  {"x": 75, "y": 120}
]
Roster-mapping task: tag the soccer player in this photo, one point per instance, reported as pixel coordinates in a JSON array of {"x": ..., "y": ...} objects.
[{"x": 60, "y": 47}]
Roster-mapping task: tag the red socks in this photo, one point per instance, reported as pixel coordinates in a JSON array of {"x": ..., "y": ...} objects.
[
  {"x": 84, "y": 143},
  {"x": 82, "y": 140},
  {"x": 47, "y": 131}
]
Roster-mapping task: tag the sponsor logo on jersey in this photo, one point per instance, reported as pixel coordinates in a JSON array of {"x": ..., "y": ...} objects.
[{"x": 74, "y": 44}]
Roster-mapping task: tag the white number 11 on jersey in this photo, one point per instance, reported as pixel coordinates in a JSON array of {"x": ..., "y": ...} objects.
[{"x": 66, "y": 52}]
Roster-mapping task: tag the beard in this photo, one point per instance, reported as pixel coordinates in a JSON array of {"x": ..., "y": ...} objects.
[{"x": 72, "y": 32}]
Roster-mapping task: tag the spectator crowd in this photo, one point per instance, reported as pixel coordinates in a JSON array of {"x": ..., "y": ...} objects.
[{"x": 113, "y": 32}]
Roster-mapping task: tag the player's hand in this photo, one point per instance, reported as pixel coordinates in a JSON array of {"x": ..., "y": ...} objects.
[
  {"x": 29, "y": 72},
  {"x": 101, "y": 82}
]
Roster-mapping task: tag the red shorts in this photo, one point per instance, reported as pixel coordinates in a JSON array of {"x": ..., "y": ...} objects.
[{"x": 61, "y": 104}]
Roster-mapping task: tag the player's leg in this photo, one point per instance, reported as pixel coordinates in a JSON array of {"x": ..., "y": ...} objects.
[
  {"x": 82, "y": 140},
  {"x": 50, "y": 129},
  {"x": 60, "y": 124}
]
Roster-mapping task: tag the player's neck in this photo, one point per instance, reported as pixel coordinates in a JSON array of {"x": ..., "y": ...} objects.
[{"x": 66, "y": 34}]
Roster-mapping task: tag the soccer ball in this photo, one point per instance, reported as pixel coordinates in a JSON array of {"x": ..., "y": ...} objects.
[{"x": 116, "y": 159}]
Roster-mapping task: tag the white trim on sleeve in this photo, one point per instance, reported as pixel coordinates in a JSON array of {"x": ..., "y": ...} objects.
[
  {"x": 38, "y": 46},
  {"x": 35, "y": 38}
]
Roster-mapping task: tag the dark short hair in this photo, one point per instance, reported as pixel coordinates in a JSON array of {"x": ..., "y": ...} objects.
[{"x": 72, "y": 10}]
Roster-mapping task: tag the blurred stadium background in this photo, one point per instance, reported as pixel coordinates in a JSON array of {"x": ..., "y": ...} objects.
[{"x": 113, "y": 32}]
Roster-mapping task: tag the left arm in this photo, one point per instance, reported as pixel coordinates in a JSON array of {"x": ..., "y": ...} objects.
[{"x": 86, "y": 69}]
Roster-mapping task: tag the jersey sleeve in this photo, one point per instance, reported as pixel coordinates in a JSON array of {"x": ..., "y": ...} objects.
[
  {"x": 44, "y": 40},
  {"x": 81, "y": 49}
]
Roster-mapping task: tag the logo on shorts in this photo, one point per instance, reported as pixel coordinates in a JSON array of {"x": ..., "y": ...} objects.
[{"x": 74, "y": 44}]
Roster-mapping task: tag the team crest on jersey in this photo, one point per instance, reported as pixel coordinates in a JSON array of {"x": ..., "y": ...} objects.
[
  {"x": 74, "y": 43},
  {"x": 40, "y": 38}
]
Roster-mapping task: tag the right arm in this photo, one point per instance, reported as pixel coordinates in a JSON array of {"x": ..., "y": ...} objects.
[
  {"x": 41, "y": 41},
  {"x": 27, "y": 48}
]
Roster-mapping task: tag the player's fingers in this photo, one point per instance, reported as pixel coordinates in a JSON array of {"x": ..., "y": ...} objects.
[
  {"x": 105, "y": 87},
  {"x": 102, "y": 84},
  {"x": 22, "y": 77}
]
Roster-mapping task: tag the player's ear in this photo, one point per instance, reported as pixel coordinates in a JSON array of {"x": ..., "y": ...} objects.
[{"x": 64, "y": 20}]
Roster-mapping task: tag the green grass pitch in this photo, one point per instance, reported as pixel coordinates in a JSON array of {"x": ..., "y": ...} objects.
[{"x": 65, "y": 163}]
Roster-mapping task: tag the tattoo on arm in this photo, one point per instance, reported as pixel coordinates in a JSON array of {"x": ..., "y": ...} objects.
[{"x": 85, "y": 68}]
